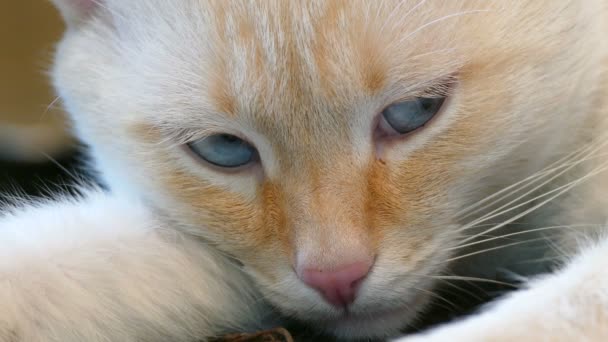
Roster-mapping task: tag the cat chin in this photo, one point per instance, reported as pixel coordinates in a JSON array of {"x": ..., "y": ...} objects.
[
  {"x": 381, "y": 324},
  {"x": 368, "y": 319},
  {"x": 372, "y": 323}
]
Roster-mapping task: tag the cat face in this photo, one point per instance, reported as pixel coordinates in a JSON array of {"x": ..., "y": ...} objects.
[{"x": 303, "y": 89}]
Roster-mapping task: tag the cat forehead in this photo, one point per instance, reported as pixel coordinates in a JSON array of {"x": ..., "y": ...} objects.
[
  {"x": 273, "y": 57},
  {"x": 295, "y": 72}
]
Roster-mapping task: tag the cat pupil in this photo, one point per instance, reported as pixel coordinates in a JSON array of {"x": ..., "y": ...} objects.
[
  {"x": 229, "y": 138},
  {"x": 426, "y": 104}
]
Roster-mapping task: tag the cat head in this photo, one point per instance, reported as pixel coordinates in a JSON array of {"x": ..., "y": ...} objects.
[{"x": 329, "y": 146}]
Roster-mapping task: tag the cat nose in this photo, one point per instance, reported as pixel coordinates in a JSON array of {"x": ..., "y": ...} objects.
[{"x": 339, "y": 285}]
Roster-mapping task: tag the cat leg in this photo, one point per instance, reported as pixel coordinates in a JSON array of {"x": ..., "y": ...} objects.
[
  {"x": 104, "y": 269},
  {"x": 569, "y": 305}
]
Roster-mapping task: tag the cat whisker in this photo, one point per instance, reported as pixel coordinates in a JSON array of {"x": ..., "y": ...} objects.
[
  {"x": 563, "y": 162},
  {"x": 472, "y": 279},
  {"x": 494, "y": 238},
  {"x": 72, "y": 175},
  {"x": 495, "y": 248},
  {"x": 48, "y": 108},
  {"x": 451, "y": 284},
  {"x": 538, "y": 260},
  {"x": 438, "y": 296},
  {"x": 554, "y": 194},
  {"x": 448, "y": 278},
  {"x": 535, "y": 188},
  {"x": 558, "y": 251}
]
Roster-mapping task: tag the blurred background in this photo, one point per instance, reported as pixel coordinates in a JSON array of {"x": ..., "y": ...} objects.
[{"x": 35, "y": 145}]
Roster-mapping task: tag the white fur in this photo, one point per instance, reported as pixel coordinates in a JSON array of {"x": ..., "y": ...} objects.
[
  {"x": 104, "y": 268},
  {"x": 570, "y": 305}
]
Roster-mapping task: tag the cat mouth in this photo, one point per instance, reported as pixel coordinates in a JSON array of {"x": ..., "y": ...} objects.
[{"x": 375, "y": 323}]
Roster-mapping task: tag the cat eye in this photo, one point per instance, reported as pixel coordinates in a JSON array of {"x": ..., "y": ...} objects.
[
  {"x": 407, "y": 116},
  {"x": 224, "y": 150}
]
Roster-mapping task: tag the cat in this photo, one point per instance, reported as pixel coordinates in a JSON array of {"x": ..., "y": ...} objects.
[{"x": 331, "y": 162}]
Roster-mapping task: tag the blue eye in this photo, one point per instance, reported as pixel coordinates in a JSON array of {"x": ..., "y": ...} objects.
[
  {"x": 224, "y": 150},
  {"x": 405, "y": 117}
]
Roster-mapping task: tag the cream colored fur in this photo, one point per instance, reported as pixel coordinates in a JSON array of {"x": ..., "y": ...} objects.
[
  {"x": 179, "y": 249},
  {"x": 103, "y": 268}
]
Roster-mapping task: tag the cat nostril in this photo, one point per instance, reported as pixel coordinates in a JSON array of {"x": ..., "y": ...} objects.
[{"x": 338, "y": 286}]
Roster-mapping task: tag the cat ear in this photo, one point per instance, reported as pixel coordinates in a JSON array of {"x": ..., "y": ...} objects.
[{"x": 76, "y": 11}]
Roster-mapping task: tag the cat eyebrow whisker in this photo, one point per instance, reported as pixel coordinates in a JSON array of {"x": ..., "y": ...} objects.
[
  {"x": 426, "y": 54},
  {"x": 438, "y": 20},
  {"x": 395, "y": 11}
]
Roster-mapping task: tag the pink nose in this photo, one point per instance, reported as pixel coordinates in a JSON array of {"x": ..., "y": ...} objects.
[{"x": 338, "y": 286}]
